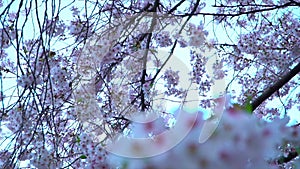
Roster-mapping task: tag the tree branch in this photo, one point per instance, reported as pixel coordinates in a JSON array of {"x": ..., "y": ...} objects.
[
  {"x": 175, "y": 7},
  {"x": 292, "y": 3},
  {"x": 276, "y": 86}
]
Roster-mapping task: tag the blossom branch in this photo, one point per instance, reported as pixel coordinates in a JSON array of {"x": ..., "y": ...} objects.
[
  {"x": 275, "y": 87},
  {"x": 241, "y": 13}
]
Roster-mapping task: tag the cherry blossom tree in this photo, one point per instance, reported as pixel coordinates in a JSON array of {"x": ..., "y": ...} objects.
[{"x": 74, "y": 75}]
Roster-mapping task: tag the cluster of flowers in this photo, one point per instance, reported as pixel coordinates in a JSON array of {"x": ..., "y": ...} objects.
[
  {"x": 198, "y": 61},
  {"x": 28, "y": 80},
  {"x": 219, "y": 73},
  {"x": 80, "y": 29},
  {"x": 134, "y": 91},
  {"x": 163, "y": 39},
  {"x": 86, "y": 154},
  {"x": 240, "y": 141},
  {"x": 197, "y": 35},
  {"x": 6, "y": 36},
  {"x": 172, "y": 79},
  {"x": 93, "y": 156}
]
